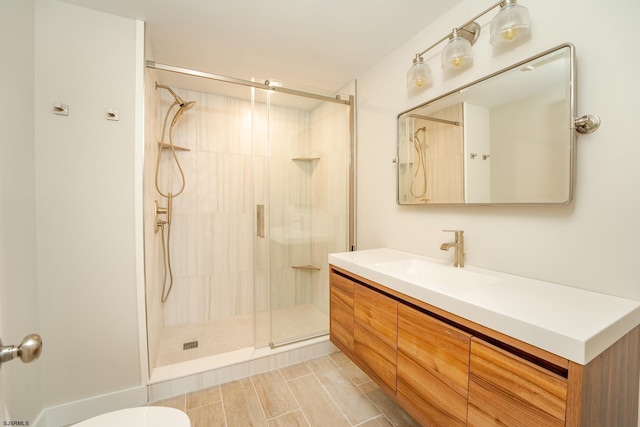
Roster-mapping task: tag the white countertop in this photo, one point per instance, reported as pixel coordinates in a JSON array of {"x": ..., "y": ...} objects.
[{"x": 573, "y": 323}]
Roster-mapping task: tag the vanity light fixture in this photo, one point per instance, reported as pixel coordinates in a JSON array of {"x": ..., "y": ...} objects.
[{"x": 510, "y": 25}]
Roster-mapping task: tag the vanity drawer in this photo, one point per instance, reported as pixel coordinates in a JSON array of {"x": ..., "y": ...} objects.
[
  {"x": 507, "y": 390},
  {"x": 433, "y": 368},
  {"x": 376, "y": 334},
  {"x": 341, "y": 316}
]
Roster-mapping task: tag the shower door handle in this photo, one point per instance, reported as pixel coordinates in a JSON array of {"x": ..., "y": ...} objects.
[{"x": 260, "y": 220}]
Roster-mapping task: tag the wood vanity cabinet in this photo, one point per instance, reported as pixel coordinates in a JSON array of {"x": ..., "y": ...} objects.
[{"x": 448, "y": 371}]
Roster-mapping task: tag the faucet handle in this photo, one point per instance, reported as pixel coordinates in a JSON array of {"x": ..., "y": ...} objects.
[{"x": 454, "y": 231}]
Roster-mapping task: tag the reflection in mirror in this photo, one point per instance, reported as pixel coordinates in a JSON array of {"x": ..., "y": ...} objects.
[{"x": 505, "y": 139}]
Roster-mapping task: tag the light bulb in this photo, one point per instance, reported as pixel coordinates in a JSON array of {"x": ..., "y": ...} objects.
[
  {"x": 510, "y": 34},
  {"x": 457, "y": 62}
]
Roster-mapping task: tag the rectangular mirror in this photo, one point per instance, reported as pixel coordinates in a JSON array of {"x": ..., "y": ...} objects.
[{"x": 505, "y": 139}]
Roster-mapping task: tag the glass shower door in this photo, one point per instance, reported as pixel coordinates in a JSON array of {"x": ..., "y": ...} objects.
[{"x": 308, "y": 206}]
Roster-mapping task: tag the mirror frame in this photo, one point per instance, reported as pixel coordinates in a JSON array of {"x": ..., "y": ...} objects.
[{"x": 572, "y": 133}]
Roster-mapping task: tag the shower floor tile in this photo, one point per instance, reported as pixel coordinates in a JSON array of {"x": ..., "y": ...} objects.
[{"x": 234, "y": 333}]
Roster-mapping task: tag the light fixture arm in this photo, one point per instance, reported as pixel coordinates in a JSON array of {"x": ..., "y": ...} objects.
[{"x": 487, "y": 10}]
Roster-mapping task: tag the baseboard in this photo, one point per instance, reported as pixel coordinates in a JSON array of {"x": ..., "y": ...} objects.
[{"x": 73, "y": 412}]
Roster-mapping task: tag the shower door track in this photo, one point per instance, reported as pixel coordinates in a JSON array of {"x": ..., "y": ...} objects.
[
  {"x": 280, "y": 343},
  {"x": 266, "y": 85}
]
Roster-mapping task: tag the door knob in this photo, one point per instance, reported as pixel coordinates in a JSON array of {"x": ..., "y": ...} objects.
[{"x": 28, "y": 350}]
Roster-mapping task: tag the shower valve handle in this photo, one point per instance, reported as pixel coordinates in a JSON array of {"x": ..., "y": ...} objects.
[{"x": 163, "y": 211}]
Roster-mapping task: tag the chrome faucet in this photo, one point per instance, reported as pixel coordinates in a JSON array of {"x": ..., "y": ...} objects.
[{"x": 458, "y": 244}]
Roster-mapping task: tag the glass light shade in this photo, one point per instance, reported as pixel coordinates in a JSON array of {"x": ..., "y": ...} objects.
[
  {"x": 457, "y": 53},
  {"x": 511, "y": 24},
  {"x": 419, "y": 75}
]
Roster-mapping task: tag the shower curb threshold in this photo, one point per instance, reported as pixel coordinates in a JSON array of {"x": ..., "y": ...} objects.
[{"x": 172, "y": 380}]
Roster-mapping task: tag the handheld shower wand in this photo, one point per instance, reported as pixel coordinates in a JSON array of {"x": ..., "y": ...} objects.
[{"x": 186, "y": 106}]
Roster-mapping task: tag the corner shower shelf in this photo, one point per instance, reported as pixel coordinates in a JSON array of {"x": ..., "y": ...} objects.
[
  {"x": 307, "y": 164},
  {"x": 306, "y": 267},
  {"x": 165, "y": 146}
]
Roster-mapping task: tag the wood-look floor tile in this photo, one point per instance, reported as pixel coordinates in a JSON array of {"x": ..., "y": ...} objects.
[
  {"x": 274, "y": 394},
  {"x": 177, "y": 402},
  {"x": 294, "y": 371},
  {"x": 292, "y": 419},
  {"x": 351, "y": 369},
  {"x": 203, "y": 397},
  {"x": 379, "y": 421},
  {"x": 315, "y": 402},
  {"x": 355, "y": 405},
  {"x": 241, "y": 404},
  {"x": 207, "y": 416},
  {"x": 388, "y": 406}
]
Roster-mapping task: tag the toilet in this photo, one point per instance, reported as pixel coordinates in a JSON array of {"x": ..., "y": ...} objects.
[{"x": 145, "y": 416}]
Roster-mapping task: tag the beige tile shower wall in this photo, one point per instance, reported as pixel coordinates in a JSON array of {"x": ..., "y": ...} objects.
[
  {"x": 444, "y": 156},
  {"x": 212, "y": 228},
  {"x": 330, "y": 184},
  {"x": 212, "y": 231},
  {"x": 441, "y": 178},
  {"x": 289, "y": 205}
]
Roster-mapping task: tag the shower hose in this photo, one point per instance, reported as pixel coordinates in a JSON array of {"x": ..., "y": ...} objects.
[{"x": 167, "y": 280}]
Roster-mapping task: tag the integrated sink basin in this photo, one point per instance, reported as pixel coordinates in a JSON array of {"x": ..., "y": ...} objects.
[{"x": 431, "y": 275}]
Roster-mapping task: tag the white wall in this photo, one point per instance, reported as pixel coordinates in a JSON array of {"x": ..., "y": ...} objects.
[
  {"x": 536, "y": 166},
  {"x": 477, "y": 178},
  {"x": 591, "y": 243},
  {"x": 19, "y": 383},
  {"x": 85, "y": 202}
]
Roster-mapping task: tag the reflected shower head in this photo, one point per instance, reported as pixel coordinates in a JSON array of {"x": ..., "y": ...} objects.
[
  {"x": 423, "y": 129},
  {"x": 183, "y": 108}
]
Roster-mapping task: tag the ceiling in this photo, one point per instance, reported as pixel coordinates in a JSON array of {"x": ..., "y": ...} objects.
[{"x": 314, "y": 43}]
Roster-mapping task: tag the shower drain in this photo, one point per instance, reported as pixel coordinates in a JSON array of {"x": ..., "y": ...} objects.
[{"x": 190, "y": 345}]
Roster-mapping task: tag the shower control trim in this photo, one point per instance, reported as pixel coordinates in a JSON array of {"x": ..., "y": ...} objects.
[{"x": 160, "y": 212}]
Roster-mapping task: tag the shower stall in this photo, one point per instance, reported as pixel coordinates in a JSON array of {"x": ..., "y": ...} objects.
[{"x": 265, "y": 179}]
